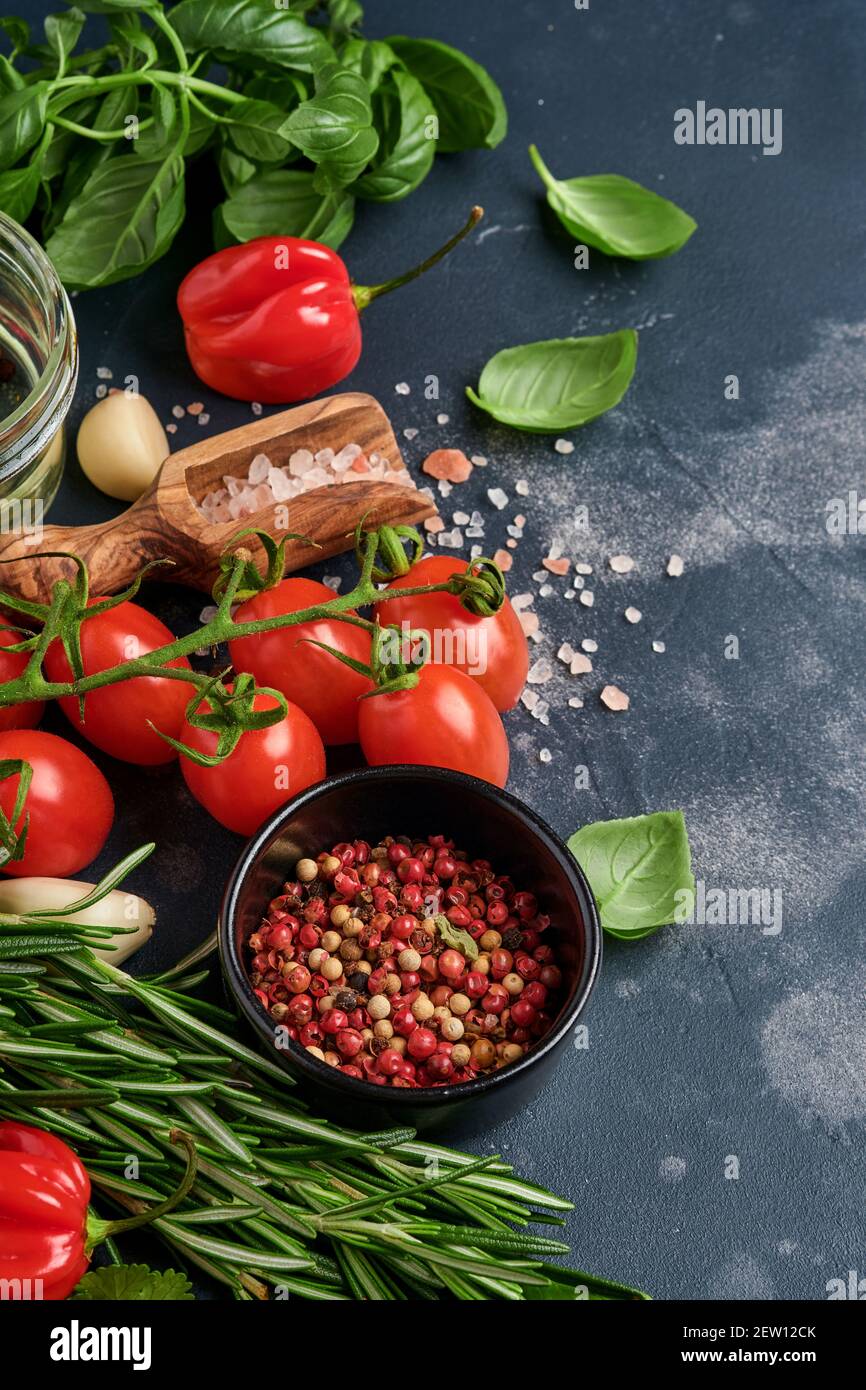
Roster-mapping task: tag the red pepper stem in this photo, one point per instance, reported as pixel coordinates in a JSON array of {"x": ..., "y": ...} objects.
[
  {"x": 364, "y": 294},
  {"x": 98, "y": 1231}
]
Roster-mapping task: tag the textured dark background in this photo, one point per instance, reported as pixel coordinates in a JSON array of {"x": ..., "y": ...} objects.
[{"x": 705, "y": 1041}]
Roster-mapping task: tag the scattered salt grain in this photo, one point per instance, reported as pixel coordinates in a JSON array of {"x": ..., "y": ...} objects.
[
  {"x": 476, "y": 519},
  {"x": 171, "y": 428},
  {"x": 521, "y": 487},
  {"x": 502, "y": 559},
  {"x": 104, "y": 373},
  {"x": 589, "y": 644},
  {"x": 516, "y": 532},
  {"x": 529, "y": 699},
  {"x": 195, "y": 408},
  {"x": 475, "y": 552},
  {"x": 474, "y": 531},
  {"x": 575, "y": 702},
  {"x": 540, "y": 672},
  {"x": 658, "y": 646},
  {"x": 569, "y": 594},
  {"x": 452, "y": 539},
  {"x": 541, "y": 712},
  {"x": 256, "y": 407},
  {"x": 522, "y": 601},
  {"x": 497, "y": 497},
  {"x": 479, "y": 460},
  {"x": 402, "y": 388},
  {"x": 101, "y": 392},
  {"x": 461, "y": 518},
  {"x": 583, "y": 569},
  {"x": 546, "y": 590},
  {"x": 449, "y": 464},
  {"x": 564, "y": 446},
  {"x": 580, "y": 665},
  {"x": 540, "y": 576},
  {"x": 587, "y": 598},
  {"x": 614, "y": 698},
  {"x": 557, "y": 566},
  {"x": 442, "y": 419},
  {"x": 577, "y": 582},
  {"x": 259, "y": 469},
  {"x": 445, "y": 488},
  {"x": 434, "y": 524},
  {"x": 545, "y": 755},
  {"x": 566, "y": 652},
  {"x": 621, "y": 564},
  {"x": 675, "y": 566},
  {"x": 511, "y": 543},
  {"x": 410, "y": 433},
  {"x": 529, "y": 623},
  {"x": 300, "y": 462},
  {"x": 633, "y": 615},
  {"x": 204, "y": 418},
  {"x": 333, "y": 581},
  {"x": 178, "y": 412}
]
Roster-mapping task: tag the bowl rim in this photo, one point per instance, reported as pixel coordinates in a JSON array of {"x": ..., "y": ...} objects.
[{"x": 319, "y": 1072}]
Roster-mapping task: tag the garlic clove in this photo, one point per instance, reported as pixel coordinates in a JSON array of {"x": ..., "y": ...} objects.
[{"x": 122, "y": 445}]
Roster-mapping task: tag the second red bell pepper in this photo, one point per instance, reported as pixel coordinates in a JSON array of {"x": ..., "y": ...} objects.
[{"x": 277, "y": 319}]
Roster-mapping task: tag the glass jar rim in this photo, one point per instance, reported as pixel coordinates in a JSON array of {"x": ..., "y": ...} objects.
[{"x": 29, "y": 429}]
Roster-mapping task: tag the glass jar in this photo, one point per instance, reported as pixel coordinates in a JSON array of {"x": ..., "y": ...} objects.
[{"x": 38, "y": 369}]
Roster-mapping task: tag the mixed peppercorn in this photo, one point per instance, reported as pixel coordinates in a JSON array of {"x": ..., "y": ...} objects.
[{"x": 406, "y": 964}]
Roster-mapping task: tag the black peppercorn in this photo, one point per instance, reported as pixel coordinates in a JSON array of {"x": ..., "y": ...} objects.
[
  {"x": 358, "y": 983},
  {"x": 512, "y": 939}
]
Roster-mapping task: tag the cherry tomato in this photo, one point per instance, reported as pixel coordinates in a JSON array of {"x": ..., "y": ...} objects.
[
  {"x": 492, "y": 651},
  {"x": 324, "y": 688},
  {"x": 28, "y": 714},
  {"x": 445, "y": 721},
  {"x": 115, "y": 718},
  {"x": 69, "y": 803},
  {"x": 268, "y": 767}
]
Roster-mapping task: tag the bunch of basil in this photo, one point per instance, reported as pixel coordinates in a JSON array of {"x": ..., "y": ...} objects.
[{"x": 301, "y": 113}]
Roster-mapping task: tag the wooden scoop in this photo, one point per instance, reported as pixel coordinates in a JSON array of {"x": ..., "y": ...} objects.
[{"x": 165, "y": 523}]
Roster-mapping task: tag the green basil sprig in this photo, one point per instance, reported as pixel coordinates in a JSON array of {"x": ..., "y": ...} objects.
[
  {"x": 408, "y": 145},
  {"x": 283, "y": 202},
  {"x": 616, "y": 215},
  {"x": 470, "y": 106},
  {"x": 557, "y": 385},
  {"x": 636, "y": 869}
]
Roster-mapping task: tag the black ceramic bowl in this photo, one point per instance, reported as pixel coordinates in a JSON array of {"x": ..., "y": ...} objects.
[{"x": 487, "y": 823}]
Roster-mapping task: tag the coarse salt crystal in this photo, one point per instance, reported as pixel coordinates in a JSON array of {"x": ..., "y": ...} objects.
[
  {"x": 178, "y": 412},
  {"x": 545, "y": 755},
  {"x": 569, "y": 594},
  {"x": 546, "y": 590},
  {"x": 511, "y": 543},
  {"x": 566, "y": 652},
  {"x": 259, "y": 469},
  {"x": 479, "y": 460},
  {"x": 325, "y": 458},
  {"x": 445, "y": 487},
  {"x": 522, "y": 601},
  {"x": 658, "y": 646},
  {"x": 449, "y": 464},
  {"x": 621, "y": 564},
  {"x": 540, "y": 576},
  {"x": 580, "y": 665},
  {"x": 333, "y": 581},
  {"x": 452, "y": 539},
  {"x": 101, "y": 392},
  {"x": 564, "y": 446},
  {"x": 442, "y": 419},
  {"x": 171, "y": 428},
  {"x": 195, "y": 408},
  {"x": 521, "y": 487},
  {"x": 556, "y": 565},
  {"x": 402, "y": 388},
  {"x": 633, "y": 615},
  {"x": 300, "y": 462},
  {"x": 498, "y": 497},
  {"x": 587, "y": 598},
  {"x": 578, "y": 582},
  {"x": 204, "y": 418},
  {"x": 410, "y": 433},
  {"x": 583, "y": 569},
  {"x": 575, "y": 702},
  {"x": 589, "y": 644},
  {"x": 475, "y": 552},
  {"x": 675, "y": 566},
  {"x": 529, "y": 623},
  {"x": 104, "y": 373},
  {"x": 434, "y": 524},
  {"x": 473, "y": 531},
  {"x": 256, "y": 407},
  {"x": 281, "y": 484},
  {"x": 516, "y": 532},
  {"x": 541, "y": 712},
  {"x": 614, "y": 698},
  {"x": 461, "y": 518},
  {"x": 502, "y": 559},
  {"x": 540, "y": 672},
  {"x": 529, "y": 698}
]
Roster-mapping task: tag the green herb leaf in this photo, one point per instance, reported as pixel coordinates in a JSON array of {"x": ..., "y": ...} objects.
[
  {"x": 283, "y": 202},
  {"x": 62, "y": 32},
  {"x": 637, "y": 868},
  {"x": 470, "y": 106},
  {"x": 557, "y": 385},
  {"x": 254, "y": 131},
  {"x": 371, "y": 58},
  {"x": 22, "y": 121},
  {"x": 17, "y": 32},
  {"x": 19, "y": 189},
  {"x": 252, "y": 28},
  {"x": 456, "y": 937},
  {"x": 128, "y": 29},
  {"x": 125, "y": 217},
  {"x": 620, "y": 217},
  {"x": 133, "y": 1284},
  {"x": 334, "y": 128},
  {"x": 407, "y": 144},
  {"x": 235, "y": 171}
]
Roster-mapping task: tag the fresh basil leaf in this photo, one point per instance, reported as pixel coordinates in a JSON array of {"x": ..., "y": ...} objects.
[
  {"x": 132, "y": 1284},
  {"x": 457, "y": 937},
  {"x": 62, "y": 32},
  {"x": 10, "y": 79},
  {"x": 74, "y": 159},
  {"x": 235, "y": 170},
  {"x": 17, "y": 32},
  {"x": 19, "y": 189},
  {"x": 407, "y": 148},
  {"x": 558, "y": 385},
  {"x": 283, "y": 202},
  {"x": 155, "y": 139},
  {"x": 470, "y": 106},
  {"x": 335, "y": 127},
  {"x": 283, "y": 89},
  {"x": 22, "y": 121},
  {"x": 253, "y": 28},
  {"x": 616, "y": 215},
  {"x": 345, "y": 14},
  {"x": 254, "y": 131},
  {"x": 127, "y": 28},
  {"x": 125, "y": 217},
  {"x": 371, "y": 58},
  {"x": 636, "y": 869}
]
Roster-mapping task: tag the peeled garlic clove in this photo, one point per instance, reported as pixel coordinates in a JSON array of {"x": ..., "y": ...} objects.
[
  {"x": 122, "y": 445},
  {"x": 117, "y": 909}
]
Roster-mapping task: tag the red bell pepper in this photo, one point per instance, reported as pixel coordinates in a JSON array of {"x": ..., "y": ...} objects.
[
  {"x": 46, "y": 1234},
  {"x": 277, "y": 319}
]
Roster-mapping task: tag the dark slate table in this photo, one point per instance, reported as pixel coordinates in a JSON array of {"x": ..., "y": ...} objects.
[{"x": 713, "y": 1050}]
